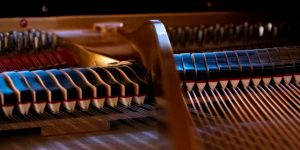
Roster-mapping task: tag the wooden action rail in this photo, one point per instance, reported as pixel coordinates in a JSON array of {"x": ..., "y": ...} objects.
[{"x": 64, "y": 122}]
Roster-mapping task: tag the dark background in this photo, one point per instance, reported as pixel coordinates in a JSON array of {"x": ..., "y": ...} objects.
[{"x": 30, "y": 8}]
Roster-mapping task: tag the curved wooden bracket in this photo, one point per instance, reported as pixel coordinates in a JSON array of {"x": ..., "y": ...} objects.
[{"x": 152, "y": 42}]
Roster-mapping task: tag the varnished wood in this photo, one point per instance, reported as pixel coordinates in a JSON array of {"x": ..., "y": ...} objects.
[
  {"x": 129, "y": 134},
  {"x": 131, "y": 21},
  {"x": 159, "y": 59},
  {"x": 52, "y": 125}
]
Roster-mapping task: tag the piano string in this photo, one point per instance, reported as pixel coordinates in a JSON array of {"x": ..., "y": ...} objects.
[{"x": 243, "y": 98}]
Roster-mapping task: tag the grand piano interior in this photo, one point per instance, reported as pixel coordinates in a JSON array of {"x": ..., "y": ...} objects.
[{"x": 107, "y": 74}]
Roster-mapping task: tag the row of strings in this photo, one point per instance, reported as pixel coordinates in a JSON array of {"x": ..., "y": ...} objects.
[
  {"x": 250, "y": 100},
  {"x": 262, "y": 117},
  {"x": 32, "y": 49},
  {"x": 38, "y": 60},
  {"x": 72, "y": 88}
]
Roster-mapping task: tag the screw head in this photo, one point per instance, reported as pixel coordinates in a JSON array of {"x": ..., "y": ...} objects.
[
  {"x": 44, "y": 8},
  {"x": 23, "y": 23}
]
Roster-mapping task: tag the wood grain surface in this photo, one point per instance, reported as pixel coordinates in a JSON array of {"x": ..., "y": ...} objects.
[{"x": 125, "y": 134}]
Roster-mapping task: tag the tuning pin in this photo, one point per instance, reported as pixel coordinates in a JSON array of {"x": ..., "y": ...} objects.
[
  {"x": 54, "y": 41},
  {"x": 14, "y": 35},
  {"x": 180, "y": 34},
  {"x": 36, "y": 40},
  {"x": 169, "y": 30},
  {"x": 275, "y": 31},
  {"x": 222, "y": 34},
  {"x": 204, "y": 38},
  {"x": 171, "y": 33},
  {"x": 210, "y": 34},
  {"x": 13, "y": 38},
  {"x": 237, "y": 32},
  {"x": 6, "y": 41},
  {"x": 267, "y": 30},
  {"x": 31, "y": 30},
  {"x": 205, "y": 35},
  {"x": 195, "y": 32},
  {"x": 269, "y": 27},
  {"x": 258, "y": 33},
  {"x": 189, "y": 34},
  {"x": 261, "y": 31},
  {"x": 226, "y": 32},
  {"x": 49, "y": 38},
  {"x": 1, "y": 43},
  {"x": 245, "y": 30},
  {"x": 251, "y": 32},
  {"x": 25, "y": 40},
  {"x": 43, "y": 39},
  {"x": 216, "y": 33},
  {"x": 11, "y": 42},
  {"x": 231, "y": 32},
  {"x": 20, "y": 43},
  {"x": 200, "y": 35},
  {"x": 31, "y": 40}
]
